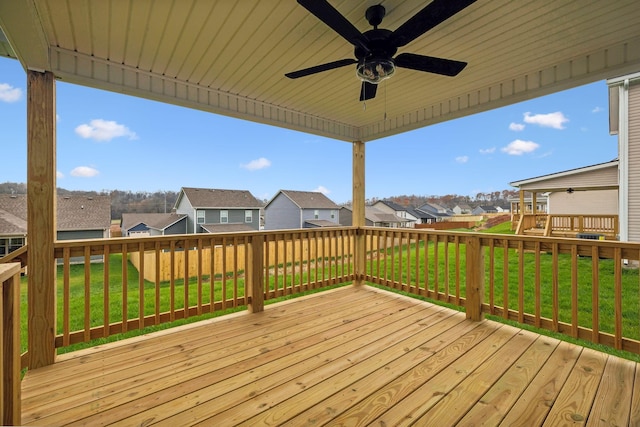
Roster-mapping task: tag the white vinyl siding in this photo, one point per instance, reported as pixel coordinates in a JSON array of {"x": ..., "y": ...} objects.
[
  {"x": 594, "y": 202},
  {"x": 634, "y": 161}
]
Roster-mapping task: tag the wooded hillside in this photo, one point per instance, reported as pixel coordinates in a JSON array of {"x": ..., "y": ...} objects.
[{"x": 163, "y": 201}]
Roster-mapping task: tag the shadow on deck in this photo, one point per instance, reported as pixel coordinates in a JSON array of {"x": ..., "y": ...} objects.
[{"x": 349, "y": 356}]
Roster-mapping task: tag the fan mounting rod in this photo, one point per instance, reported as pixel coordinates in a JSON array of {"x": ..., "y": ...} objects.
[{"x": 374, "y": 15}]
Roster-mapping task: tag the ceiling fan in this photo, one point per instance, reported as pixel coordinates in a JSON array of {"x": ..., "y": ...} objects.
[{"x": 375, "y": 49}]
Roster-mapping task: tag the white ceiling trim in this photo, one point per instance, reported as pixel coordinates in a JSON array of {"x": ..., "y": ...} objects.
[{"x": 82, "y": 69}]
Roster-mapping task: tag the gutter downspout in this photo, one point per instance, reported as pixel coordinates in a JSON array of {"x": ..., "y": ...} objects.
[{"x": 623, "y": 153}]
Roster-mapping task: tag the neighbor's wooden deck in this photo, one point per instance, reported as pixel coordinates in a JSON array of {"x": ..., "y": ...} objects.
[{"x": 351, "y": 356}]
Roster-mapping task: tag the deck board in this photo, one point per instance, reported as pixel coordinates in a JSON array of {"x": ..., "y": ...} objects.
[{"x": 349, "y": 356}]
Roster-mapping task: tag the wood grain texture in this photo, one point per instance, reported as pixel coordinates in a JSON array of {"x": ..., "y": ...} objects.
[{"x": 355, "y": 355}]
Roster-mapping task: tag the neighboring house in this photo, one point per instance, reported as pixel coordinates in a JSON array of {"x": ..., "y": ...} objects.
[
  {"x": 587, "y": 190},
  {"x": 624, "y": 121},
  {"x": 78, "y": 217},
  {"x": 210, "y": 210},
  {"x": 423, "y": 216},
  {"x": 374, "y": 217},
  {"x": 462, "y": 209},
  {"x": 152, "y": 224},
  {"x": 481, "y": 210},
  {"x": 436, "y": 210},
  {"x": 290, "y": 209},
  {"x": 400, "y": 211}
]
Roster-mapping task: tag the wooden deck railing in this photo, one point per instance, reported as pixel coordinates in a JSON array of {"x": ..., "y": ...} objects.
[
  {"x": 578, "y": 287},
  {"x": 606, "y": 225},
  {"x": 568, "y": 225},
  {"x": 10, "y": 343},
  {"x": 581, "y": 288},
  {"x": 150, "y": 281}
]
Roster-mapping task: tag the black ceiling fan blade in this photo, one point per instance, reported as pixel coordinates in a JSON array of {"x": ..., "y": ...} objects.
[
  {"x": 320, "y": 68},
  {"x": 431, "y": 15},
  {"x": 368, "y": 91},
  {"x": 429, "y": 64},
  {"x": 336, "y": 21}
]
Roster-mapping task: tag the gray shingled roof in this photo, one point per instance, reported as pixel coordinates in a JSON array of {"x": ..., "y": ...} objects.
[
  {"x": 84, "y": 213},
  {"x": 73, "y": 213},
  {"x": 218, "y": 198},
  {"x": 158, "y": 221},
  {"x": 310, "y": 199},
  {"x": 13, "y": 214}
]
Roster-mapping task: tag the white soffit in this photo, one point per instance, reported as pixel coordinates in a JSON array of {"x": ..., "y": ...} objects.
[{"x": 230, "y": 57}]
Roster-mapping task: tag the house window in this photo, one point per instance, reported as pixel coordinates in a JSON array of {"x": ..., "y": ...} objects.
[
  {"x": 200, "y": 217},
  {"x": 316, "y": 214},
  {"x": 10, "y": 244},
  {"x": 224, "y": 217},
  {"x": 333, "y": 214},
  {"x": 248, "y": 215}
]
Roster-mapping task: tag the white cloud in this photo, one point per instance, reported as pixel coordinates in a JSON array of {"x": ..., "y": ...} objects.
[
  {"x": 84, "y": 172},
  {"x": 520, "y": 147},
  {"x": 9, "y": 93},
  {"x": 462, "y": 159},
  {"x": 322, "y": 189},
  {"x": 104, "y": 130},
  {"x": 487, "y": 150},
  {"x": 551, "y": 120},
  {"x": 516, "y": 127},
  {"x": 597, "y": 110},
  {"x": 59, "y": 175},
  {"x": 257, "y": 164}
]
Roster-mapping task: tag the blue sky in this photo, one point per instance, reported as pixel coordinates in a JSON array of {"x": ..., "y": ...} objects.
[{"x": 109, "y": 141}]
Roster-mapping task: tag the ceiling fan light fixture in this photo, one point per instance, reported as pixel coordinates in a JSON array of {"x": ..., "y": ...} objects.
[{"x": 375, "y": 70}]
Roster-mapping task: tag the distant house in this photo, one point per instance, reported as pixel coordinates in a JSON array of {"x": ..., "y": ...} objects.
[
  {"x": 78, "y": 217},
  {"x": 210, "y": 210},
  {"x": 373, "y": 217},
  {"x": 462, "y": 209},
  {"x": 290, "y": 209},
  {"x": 400, "y": 211},
  {"x": 480, "y": 210},
  {"x": 424, "y": 217},
  {"x": 152, "y": 224},
  {"x": 438, "y": 211}
]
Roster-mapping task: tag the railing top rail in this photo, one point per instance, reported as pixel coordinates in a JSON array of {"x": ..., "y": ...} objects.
[
  {"x": 17, "y": 255},
  {"x": 9, "y": 270},
  {"x": 196, "y": 236},
  {"x": 179, "y": 241}
]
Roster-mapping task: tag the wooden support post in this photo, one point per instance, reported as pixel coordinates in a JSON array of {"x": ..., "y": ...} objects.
[
  {"x": 358, "y": 217},
  {"x": 474, "y": 279},
  {"x": 10, "y": 344},
  {"x": 256, "y": 274},
  {"x": 41, "y": 217},
  {"x": 534, "y": 203}
]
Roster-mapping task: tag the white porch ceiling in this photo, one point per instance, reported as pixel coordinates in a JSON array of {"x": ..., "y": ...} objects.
[{"x": 229, "y": 57}]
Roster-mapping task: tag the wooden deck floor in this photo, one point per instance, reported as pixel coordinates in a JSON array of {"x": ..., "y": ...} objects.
[{"x": 350, "y": 356}]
